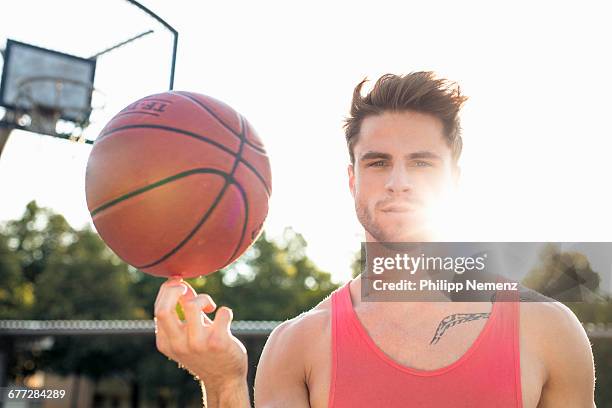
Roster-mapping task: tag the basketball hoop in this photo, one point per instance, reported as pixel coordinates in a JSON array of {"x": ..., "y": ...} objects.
[{"x": 43, "y": 101}]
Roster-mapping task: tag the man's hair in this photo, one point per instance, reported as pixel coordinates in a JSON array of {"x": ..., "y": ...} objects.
[{"x": 419, "y": 92}]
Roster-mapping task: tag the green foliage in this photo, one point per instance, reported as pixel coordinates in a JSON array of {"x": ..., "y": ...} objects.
[
  {"x": 602, "y": 354},
  {"x": 356, "y": 264},
  {"x": 48, "y": 270},
  {"x": 271, "y": 282},
  {"x": 16, "y": 294},
  {"x": 564, "y": 276},
  {"x": 39, "y": 234},
  {"x": 83, "y": 281}
]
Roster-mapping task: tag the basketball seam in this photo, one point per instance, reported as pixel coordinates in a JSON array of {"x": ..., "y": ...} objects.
[
  {"x": 246, "y": 218},
  {"x": 209, "y": 212},
  {"x": 255, "y": 147},
  {"x": 192, "y": 135},
  {"x": 136, "y": 112},
  {"x": 169, "y": 128},
  {"x": 193, "y": 231},
  {"x": 211, "y": 113},
  {"x": 229, "y": 182},
  {"x": 177, "y": 176},
  {"x": 211, "y": 209},
  {"x": 155, "y": 100},
  {"x": 238, "y": 156},
  {"x": 241, "y": 135},
  {"x": 244, "y": 200}
]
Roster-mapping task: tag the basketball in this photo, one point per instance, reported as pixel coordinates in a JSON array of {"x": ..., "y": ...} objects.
[{"x": 177, "y": 184}]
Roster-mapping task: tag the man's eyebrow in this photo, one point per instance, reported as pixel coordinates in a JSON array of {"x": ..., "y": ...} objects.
[
  {"x": 374, "y": 155},
  {"x": 423, "y": 154}
]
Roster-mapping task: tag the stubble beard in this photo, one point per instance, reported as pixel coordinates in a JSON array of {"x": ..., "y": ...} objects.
[
  {"x": 380, "y": 234},
  {"x": 399, "y": 233}
]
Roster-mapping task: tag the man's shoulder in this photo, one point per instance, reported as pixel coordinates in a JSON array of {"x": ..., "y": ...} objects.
[
  {"x": 294, "y": 343},
  {"x": 287, "y": 360},
  {"x": 546, "y": 316},
  {"x": 312, "y": 322},
  {"x": 554, "y": 333}
]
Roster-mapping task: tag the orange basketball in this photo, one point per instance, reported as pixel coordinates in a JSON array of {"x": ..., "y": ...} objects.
[{"x": 178, "y": 184}]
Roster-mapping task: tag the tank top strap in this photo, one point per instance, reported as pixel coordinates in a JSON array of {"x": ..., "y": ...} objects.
[
  {"x": 341, "y": 299},
  {"x": 509, "y": 312},
  {"x": 342, "y": 312}
]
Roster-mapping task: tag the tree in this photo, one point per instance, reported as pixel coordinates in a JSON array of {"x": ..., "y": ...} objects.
[
  {"x": 16, "y": 294},
  {"x": 83, "y": 280},
  {"x": 52, "y": 271},
  {"x": 61, "y": 273},
  {"x": 39, "y": 234},
  {"x": 272, "y": 281},
  {"x": 564, "y": 276},
  {"x": 356, "y": 264}
]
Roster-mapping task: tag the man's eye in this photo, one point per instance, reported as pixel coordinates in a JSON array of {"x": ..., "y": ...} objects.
[
  {"x": 423, "y": 164},
  {"x": 379, "y": 163}
]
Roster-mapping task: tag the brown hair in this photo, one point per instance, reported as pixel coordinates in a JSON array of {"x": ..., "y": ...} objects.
[{"x": 418, "y": 91}]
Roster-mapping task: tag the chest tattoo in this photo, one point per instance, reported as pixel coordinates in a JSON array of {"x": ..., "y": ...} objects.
[{"x": 453, "y": 320}]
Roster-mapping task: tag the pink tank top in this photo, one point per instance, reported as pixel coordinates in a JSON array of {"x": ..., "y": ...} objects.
[{"x": 487, "y": 375}]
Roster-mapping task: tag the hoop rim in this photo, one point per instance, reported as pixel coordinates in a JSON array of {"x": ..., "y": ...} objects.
[
  {"x": 59, "y": 81},
  {"x": 43, "y": 118}
]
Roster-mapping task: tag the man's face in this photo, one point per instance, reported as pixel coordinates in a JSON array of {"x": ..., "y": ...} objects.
[{"x": 402, "y": 176}]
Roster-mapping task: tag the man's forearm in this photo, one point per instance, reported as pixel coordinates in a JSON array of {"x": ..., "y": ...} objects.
[{"x": 226, "y": 395}]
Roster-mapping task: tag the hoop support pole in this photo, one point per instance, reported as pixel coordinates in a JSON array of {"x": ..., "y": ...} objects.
[{"x": 170, "y": 28}]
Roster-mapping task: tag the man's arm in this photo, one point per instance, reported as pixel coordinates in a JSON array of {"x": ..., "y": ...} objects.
[
  {"x": 280, "y": 379},
  {"x": 204, "y": 347},
  {"x": 568, "y": 357},
  {"x": 226, "y": 395}
]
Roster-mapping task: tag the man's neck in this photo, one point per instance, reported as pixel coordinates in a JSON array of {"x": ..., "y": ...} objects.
[{"x": 433, "y": 302}]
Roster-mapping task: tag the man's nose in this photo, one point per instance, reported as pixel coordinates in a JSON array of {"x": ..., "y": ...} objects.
[{"x": 399, "y": 180}]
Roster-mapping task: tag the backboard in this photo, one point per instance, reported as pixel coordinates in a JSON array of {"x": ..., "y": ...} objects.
[
  {"x": 71, "y": 65},
  {"x": 50, "y": 79}
]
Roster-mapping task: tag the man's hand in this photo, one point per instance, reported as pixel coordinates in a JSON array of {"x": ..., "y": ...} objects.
[{"x": 205, "y": 347}]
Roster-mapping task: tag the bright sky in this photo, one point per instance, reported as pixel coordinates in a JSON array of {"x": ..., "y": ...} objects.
[{"x": 536, "y": 131}]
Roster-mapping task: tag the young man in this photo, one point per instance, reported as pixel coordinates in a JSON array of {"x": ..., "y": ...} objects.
[{"x": 404, "y": 143}]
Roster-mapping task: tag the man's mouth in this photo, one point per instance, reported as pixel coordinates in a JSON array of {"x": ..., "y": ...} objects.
[{"x": 397, "y": 208}]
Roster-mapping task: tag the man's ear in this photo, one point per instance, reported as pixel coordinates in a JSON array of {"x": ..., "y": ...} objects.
[{"x": 351, "y": 179}]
